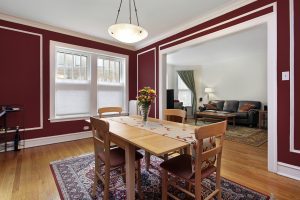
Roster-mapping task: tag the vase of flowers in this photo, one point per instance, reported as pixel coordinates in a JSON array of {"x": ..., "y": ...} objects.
[{"x": 145, "y": 98}]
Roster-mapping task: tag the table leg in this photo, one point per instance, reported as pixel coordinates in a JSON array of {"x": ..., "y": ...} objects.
[
  {"x": 227, "y": 122},
  {"x": 187, "y": 150},
  {"x": 130, "y": 171},
  {"x": 147, "y": 159},
  {"x": 233, "y": 121},
  {"x": 260, "y": 120}
]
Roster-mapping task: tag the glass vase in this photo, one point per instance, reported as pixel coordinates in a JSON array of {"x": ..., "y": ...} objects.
[{"x": 145, "y": 110}]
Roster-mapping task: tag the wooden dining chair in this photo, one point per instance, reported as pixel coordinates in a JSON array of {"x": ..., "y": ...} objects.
[
  {"x": 175, "y": 115},
  {"x": 107, "y": 158},
  {"x": 103, "y": 110},
  {"x": 181, "y": 166}
]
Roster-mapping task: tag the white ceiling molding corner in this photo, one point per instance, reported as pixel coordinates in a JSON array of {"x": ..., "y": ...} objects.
[
  {"x": 63, "y": 31},
  {"x": 233, "y": 5}
]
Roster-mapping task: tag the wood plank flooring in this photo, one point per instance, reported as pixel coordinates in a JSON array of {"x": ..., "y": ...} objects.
[{"x": 26, "y": 174}]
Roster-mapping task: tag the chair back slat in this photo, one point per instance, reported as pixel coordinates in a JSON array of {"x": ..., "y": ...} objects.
[
  {"x": 103, "y": 110},
  {"x": 213, "y": 130},
  {"x": 210, "y": 153},
  {"x": 169, "y": 113}
]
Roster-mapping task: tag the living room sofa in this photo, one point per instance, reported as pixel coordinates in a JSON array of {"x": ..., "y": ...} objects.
[{"x": 249, "y": 118}]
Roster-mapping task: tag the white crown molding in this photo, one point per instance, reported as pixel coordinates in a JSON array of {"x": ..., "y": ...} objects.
[
  {"x": 232, "y": 5},
  {"x": 62, "y": 30}
]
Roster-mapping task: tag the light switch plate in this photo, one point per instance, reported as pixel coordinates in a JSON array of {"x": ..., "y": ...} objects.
[{"x": 286, "y": 76}]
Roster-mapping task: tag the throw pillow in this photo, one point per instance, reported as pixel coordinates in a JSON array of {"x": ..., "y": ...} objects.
[
  {"x": 211, "y": 106},
  {"x": 246, "y": 107}
]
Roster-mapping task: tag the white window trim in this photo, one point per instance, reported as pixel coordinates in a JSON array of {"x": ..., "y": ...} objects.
[{"x": 93, "y": 62}]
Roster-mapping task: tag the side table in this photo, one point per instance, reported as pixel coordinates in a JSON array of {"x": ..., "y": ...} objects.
[{"x": 263, "y": 119}]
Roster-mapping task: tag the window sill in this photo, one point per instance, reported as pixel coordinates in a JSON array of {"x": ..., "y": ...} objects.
[
  {"x": 69, "y": 118},
  {"x": 85, "y": 117},
  {"x": 110, "y": 84}
]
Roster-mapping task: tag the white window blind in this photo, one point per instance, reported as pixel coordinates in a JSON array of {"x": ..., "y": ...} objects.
[
  {"x": 184, "y": 93},
  {"x": 72, "y": 83}
]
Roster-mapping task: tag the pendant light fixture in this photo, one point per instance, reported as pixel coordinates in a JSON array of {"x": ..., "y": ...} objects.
[{"x": 127, "y": 33}]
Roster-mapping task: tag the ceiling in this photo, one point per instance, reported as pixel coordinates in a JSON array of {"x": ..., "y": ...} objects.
[
  {"x": 249, "y": 42},
  {"x": 93, "y": 17}
]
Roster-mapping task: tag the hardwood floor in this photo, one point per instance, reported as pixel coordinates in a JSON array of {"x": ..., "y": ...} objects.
[{"x": 26, "y": 174}]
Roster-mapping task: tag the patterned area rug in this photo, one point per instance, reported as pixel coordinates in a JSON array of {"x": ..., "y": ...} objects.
[
  {"x": 242, "y": 134},
  {"x": 74, "y": 180}
]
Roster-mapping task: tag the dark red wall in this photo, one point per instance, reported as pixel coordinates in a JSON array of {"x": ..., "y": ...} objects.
[
  {"x": 19, "y": 74},
  {"x": 284, "y": 155},
  {"x": 146, "y": 72},
  {"x": 297, "y": 73}
]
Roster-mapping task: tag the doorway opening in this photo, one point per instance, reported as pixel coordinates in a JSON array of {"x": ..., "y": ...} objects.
[{"x": 266, "y": 23}]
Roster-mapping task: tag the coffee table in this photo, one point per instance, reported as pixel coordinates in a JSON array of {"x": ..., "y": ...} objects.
[{"x": 215, "y": 116}]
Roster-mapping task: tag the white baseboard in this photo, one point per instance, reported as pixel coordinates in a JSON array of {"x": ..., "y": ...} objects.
[
  {"x": 288, "y": 170},
  {"x": 52, "y": 139}
]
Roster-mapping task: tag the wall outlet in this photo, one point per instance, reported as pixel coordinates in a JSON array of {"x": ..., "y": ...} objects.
[
  {"x": 286, "y": 76},
  {"x": 86, "y": 128}
]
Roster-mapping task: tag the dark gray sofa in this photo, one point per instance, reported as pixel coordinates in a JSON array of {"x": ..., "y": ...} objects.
[{"x": 249, "y": 118}]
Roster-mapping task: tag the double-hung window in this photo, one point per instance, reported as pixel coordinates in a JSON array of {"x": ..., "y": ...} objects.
[
  {"x": 184, "y": 93},
  {"x": 83, "y": 80},
  {"x": 110, "y": 82}
]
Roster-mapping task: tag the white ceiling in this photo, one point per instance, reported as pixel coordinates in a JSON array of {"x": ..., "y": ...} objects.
[
  {"x": 248, "y": 42},
  {"x": 93, "y": 17}
]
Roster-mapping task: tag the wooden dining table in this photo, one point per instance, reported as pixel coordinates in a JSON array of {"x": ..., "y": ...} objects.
[{"x": 131, "y": 137}]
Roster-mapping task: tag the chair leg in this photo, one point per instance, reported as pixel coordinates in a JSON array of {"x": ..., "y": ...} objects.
[
  {"x": 218, "y": 186},
  {"x": 139, "y": 180},
  {"x": 106, "y": 184},
  {"x": 219, "y": 196},
  {"x": 189, "y": 186},
  {"x": 198, "y": 191},
  {"x": 124, "y": 175},
  {"x": 95, "y": 185},
  {"x": 147, "y": 159},
  {"x": 96, "y": 178},
  {"x": 164, "y": 185},
  {"x": 166, "y": 157}
]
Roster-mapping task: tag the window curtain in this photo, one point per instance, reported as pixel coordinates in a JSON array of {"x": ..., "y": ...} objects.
[{"x": 187, "y": 77}]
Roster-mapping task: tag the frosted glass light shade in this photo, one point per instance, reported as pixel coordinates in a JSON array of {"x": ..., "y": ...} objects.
[
  {"x": 127, "y": 33},
  {"x": 208, "y": 90}
]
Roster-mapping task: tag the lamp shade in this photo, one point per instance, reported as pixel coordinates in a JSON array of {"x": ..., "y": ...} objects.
[
  {"x": 127, "y": 33},
  {"x": 208, "y": 90}
]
